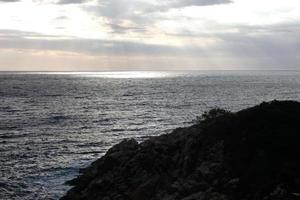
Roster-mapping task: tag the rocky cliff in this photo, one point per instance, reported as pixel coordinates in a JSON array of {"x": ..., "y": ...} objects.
[{"x": 253, "y": 154}]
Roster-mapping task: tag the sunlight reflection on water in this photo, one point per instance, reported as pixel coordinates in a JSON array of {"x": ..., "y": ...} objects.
[
  {"x": 128, "y": 74},
  {"x": 109, "y": 74}
]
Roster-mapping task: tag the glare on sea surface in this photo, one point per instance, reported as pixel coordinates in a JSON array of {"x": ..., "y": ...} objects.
[
  {"x": 114, "y": 74},
  {"x": 127, "y": 74}
]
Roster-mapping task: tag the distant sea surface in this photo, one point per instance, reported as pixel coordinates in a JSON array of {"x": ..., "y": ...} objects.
[{"x": 52, "y": 124}]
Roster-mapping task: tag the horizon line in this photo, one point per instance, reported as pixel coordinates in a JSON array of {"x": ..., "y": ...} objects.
[{"x": 93, "y": 71}]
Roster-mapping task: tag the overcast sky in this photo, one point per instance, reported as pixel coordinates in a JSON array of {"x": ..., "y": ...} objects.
[{"x": 149, "y": 34}]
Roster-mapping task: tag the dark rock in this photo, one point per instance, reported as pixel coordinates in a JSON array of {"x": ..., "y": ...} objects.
[{"x": 253, "y": 154}]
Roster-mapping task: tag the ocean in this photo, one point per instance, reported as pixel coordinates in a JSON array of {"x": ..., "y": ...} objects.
[{"x": 53, "y": 123}]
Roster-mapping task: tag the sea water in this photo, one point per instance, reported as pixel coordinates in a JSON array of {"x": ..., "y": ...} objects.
[{"x": 52, "y": 124}]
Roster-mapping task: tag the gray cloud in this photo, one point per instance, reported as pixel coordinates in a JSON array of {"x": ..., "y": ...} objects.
[
  {"x": 141, "y": 14},
  {"x": 86, "y": 46},
  {"x": 61, "y": 18},
  {"x": 16, "y": 34},
  {"x": 71, "y": 1},
  {"x": 124, "y": 8},
  {"x": 118, "y": 28},
  {"x": 273, "y": 50},
  {"x": 60, "y": 2},
  {"x": 7, "y": 1},
  {"x": 185, "y": 3}
]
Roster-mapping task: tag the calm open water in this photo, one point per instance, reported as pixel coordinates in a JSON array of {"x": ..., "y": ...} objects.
[{"x": 51, "y": 124}]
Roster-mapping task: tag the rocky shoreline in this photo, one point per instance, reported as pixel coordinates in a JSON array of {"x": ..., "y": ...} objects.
[{"x": 253, "y": 154}]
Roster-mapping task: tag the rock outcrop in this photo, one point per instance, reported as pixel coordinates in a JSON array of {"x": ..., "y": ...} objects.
[{"x": 253, "y": 154}]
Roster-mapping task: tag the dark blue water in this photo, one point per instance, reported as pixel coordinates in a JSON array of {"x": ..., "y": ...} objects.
[{"x": 51, "y": 124}]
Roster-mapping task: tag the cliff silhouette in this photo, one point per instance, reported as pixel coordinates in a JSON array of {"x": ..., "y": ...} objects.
[{"x": 253, "y": 154}]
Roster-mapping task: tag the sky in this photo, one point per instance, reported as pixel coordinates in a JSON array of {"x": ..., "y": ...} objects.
[{"x": 101, "y": 35}]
